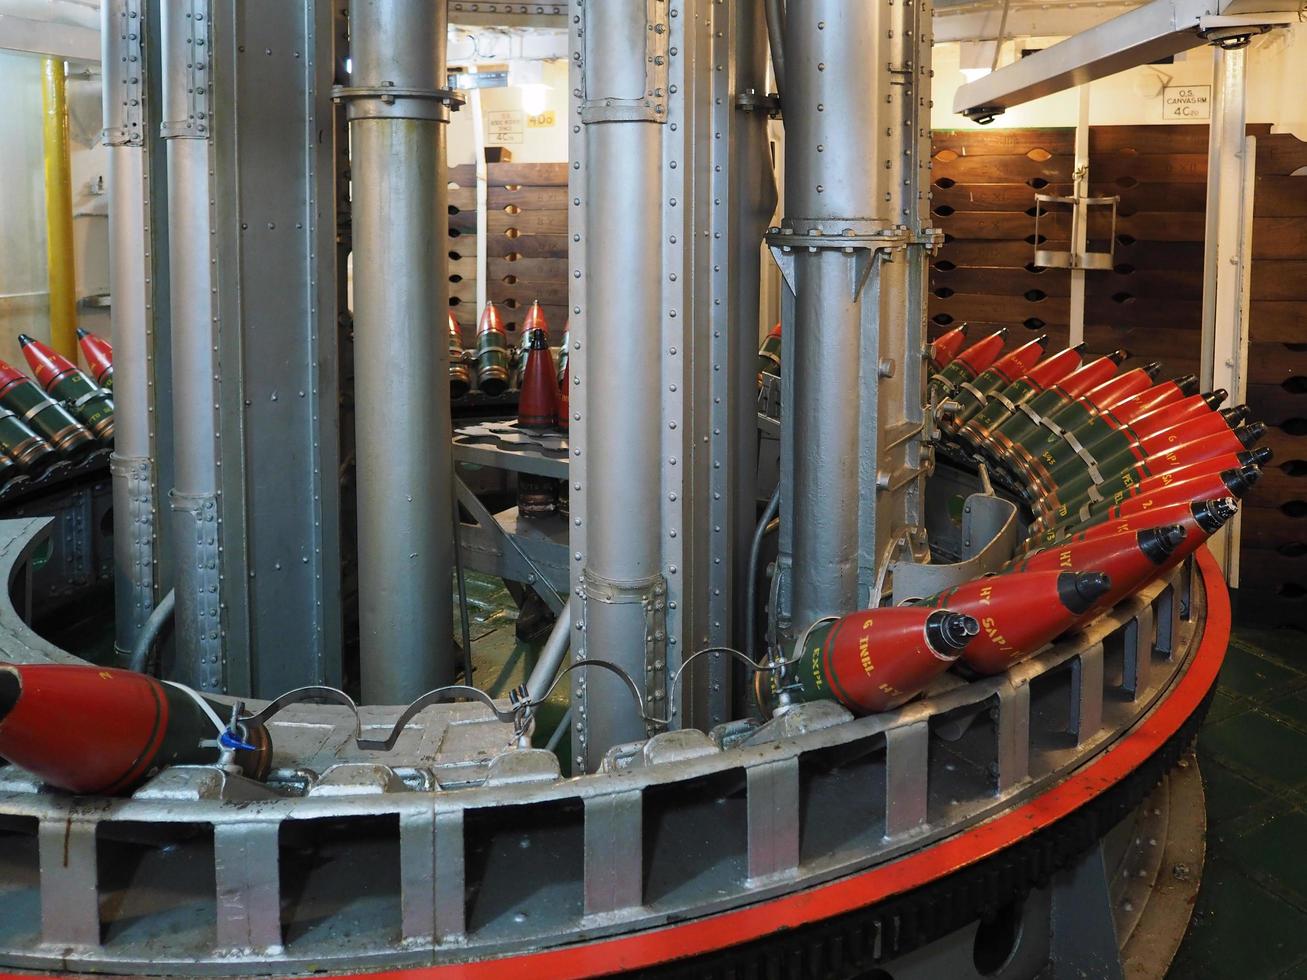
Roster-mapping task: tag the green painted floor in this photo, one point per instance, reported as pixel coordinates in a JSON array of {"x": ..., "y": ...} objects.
[{"x": 1250, "y": 920}]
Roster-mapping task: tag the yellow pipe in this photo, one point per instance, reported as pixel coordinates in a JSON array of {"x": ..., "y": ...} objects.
[{"x": 59, "y": 211}]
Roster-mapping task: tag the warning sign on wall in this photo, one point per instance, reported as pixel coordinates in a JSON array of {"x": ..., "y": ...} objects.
[
  {"x": 504, "y": 126},
  {"x": 1185, "y": 102}
]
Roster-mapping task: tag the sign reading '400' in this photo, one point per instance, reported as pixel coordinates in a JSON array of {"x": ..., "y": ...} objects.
[{"x": 1185, "y": 102}]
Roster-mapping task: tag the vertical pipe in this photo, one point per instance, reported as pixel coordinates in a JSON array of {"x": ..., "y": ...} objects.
[
  {"x": 1227, "y": 252},
  {"x": 187, "y": 131},
  {"x": 622, "y": 434},
  {"x": 60, "y": 263},
  {"x": 834, "y": 187},
  {"x": 753, "y": 203},
  {"x": 402, "y": 422},
  {"x": 122, "y": 46},
  {"x": 1076, "y": 331}
]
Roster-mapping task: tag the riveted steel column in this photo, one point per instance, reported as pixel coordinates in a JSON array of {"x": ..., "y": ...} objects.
[
  {"x": 397, "y": 110},
  {"x": 751, "y": 189},
  {"x": 836, "y": 86},
  {"x": 623, "y": 49},
  {"x": 187, "y": 129},
  {"x": 135, "y": 500}
]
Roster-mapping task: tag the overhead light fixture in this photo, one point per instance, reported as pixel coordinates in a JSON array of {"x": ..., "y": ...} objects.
[{"x": 535, "y": 99}]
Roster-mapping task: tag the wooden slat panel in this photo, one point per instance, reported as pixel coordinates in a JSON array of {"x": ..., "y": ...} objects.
[
  {"x": 528, "y": 246},
  {"x": 1280, "y": 154},
  {"x": 1270, "y": 528},
  {"x": 1279, "y": 279},
  {"x": 1004, "y": 142},
  {"x": 1168, "y": 138},
  {"x": 507, "y": 174},
  {"x": 537, "y": 270},
  {"x": 1275, "y": 404},
  {"x": 528, "y": 197}
]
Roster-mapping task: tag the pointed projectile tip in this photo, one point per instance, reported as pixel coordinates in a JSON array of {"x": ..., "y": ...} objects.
[
  {"x": 1240, "y": 481},
  {"x": 963, "y": 327},
  {"x": 1159, "y": 543},
  {"x": 1188, "y": 385},
  {"x": 1236, "y": 415},
  {"x": 1258, "y": 457},
  {"x": 1080, "y": 347},
  {"x": 1117, "y": 356},
  {"x": 1042, "y": 341},
  {"x": 1001, "y": 332},
  {"x": 1215, "y": 398},
  {"x": 949, "y": 632},
  {"x": 1091, "y": 586},
  {"x": 1225, "y": 507},
  {"x": 1152, "y": 369},
  {"x": 1211, "y": 515},
  {"x": 81, "y": 333},
  {"x": 10, "y": 688},
  {"x": 1250, "y": 435},
  {"x": 24, "y": 340}
]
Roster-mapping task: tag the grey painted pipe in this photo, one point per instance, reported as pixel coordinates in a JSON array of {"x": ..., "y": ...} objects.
[
  {"x": 775, "y": 38},
  {"x": 123, "y": 30},
  {"x": 551, "y": 657},
  {"x": 187, "y": 130},
  {"x": 751, "y": 583},
  {"x": 145, "y": 639},
  {"x": 623, "y": 431},
  {"x": 405, "y": 496},
  {"x": 835, "y": 87}
]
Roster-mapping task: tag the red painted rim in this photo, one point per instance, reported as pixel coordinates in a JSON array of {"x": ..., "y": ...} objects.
[{"x": 713, "y": 933}]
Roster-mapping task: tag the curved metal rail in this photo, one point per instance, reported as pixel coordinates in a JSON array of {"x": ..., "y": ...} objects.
[{"x": 457, "y": 848}]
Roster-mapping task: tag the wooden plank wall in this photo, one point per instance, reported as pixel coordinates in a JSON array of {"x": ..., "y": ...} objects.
[
  {"x": 527, "y": 250},
  {"x": 1151, "y": 303}
]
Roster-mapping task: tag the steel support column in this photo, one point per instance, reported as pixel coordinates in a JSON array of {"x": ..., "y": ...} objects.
[
  {"x": 398, "y": 109},
  {"x": 747, "y": 187},
  {"x": 251, "y": 227},
  {"x": 188, "y": 130},
  {"x": 854, "y": 199},
  {"x": 1227, "y": 255},
  {"x": 123, "y": 39},
  {"x": 623, "y": 114}
]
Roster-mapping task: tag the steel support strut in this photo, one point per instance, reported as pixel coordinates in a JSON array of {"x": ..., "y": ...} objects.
[
  {"x": 188, "y": 131},
  {"x": 1227, "y": 255},
  {"x": 854, "y": 202},
  {"x": 397, "y": 110},
  {"x": 135, "y": 499},
  {"x": 623, "y": 124}
]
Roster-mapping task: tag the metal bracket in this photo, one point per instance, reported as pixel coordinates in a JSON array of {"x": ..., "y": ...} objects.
[
  {"x": 1049, "y": 259},
  {"x": 126, "y": 110},
  {"x": 527, "y": 570},
  {"x": 752, "y": 101},
  {"x": 194, "y": 39},
  {"x": 650, "y": 104},
  {"x": 387, "y": 101},
  {"x": 1231, "y": 32},
  {"x": 983, "y": 115},
  {"x": 651, "y": 594}
]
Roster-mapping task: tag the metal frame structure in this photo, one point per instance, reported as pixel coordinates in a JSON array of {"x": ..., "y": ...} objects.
[
  {"x": 129, "y": 41},
  {"x": 665, "y": 96},
  {"x": 489, "y": 853},
  {"x": 251, "y": 209},
  {"x": 397, "y": 106},
  {"x": 852, "y": 252},
  {"x": 1154, "y": 30}
]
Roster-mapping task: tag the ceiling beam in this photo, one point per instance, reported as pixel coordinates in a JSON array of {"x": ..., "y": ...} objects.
[{"x": 1157, "y": 30}]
